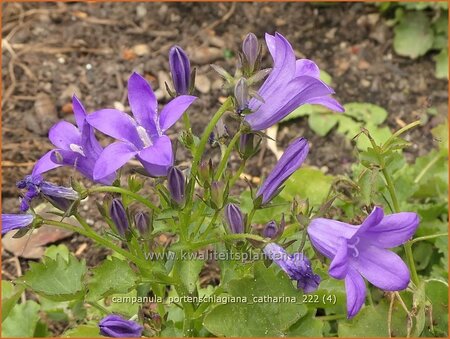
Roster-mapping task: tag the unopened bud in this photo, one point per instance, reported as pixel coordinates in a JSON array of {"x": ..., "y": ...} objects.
[
  {"x": 246, "y": 145},
  {"x": 119, "y": 216},
  {"x": 143, "y": 223},
  {"x": 204, "y": 171},
  {"x": 250, "y": 47},
  {"x": 180, "y": 69},
  {"x": 241, "y": 95},
  {"x": 176, "y": 185},
  {"x": 272, "y": 230},
  {"x": 234, "y": 219},
  {"x": 217, "y": 192}
]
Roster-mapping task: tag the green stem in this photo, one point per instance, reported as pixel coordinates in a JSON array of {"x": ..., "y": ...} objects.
[
  {"x": 392, "y": 193},
  {"x": 212, "y": 222},
  {"x": 202, "y": 144},
  {"x": 427, "y": 237},
  {"x": 99, "y": 307},
  {"x": 427, "y": 168},
  {"x": 98, "y": 239},
  {"x": 187, "y": 123},
  {"x": 121, "y": 190},
  {"x": 401, "y": 131},
  {"x": 391, "y": 189},
  {"x": 237, "y": 175},
  {"x": 226, "y": 155},
  {"x": 200, "y": 244}
]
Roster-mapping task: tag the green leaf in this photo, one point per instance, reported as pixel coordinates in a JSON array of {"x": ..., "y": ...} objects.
[
  {"x": 308, "y": 183},
  {"x": 252, "y": 317},
  {"x": 22, "y": 321},
  {"x": 413, "y": 37},
  {"x": 188, "y": 271},
  {"x": 83, "y": 331},
  {"x": 112, "y": 276},
  {"x": 10, "y": 296},
  {"x": 306, "y": 327},
  {"x": 57, "y": 279},
  {"x": 441, "y": 60},
  {"x": 321, "y": 124},
  {"x": 437, "y": 293},
  {"x": 53, "y": 251},
  {"x": 366, "y": 112},
  {"x": 372, "y": 321}
]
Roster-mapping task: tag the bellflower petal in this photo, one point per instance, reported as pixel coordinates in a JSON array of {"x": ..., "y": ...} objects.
[
  {"x": 234, "y": 219},
  {"x": 12, "y": 222},
  {"x": 173, "y": 111},
  {"x": 116, "y": 124},
  {"x": 45, "y": 164},
  {"x": 284, "y": 100},
  {"x": 355, "y": 289},
  {"x": 394, "y": 229},
  {"x": 143, "y": 102},
  {"x": 306, "y": 67},
  {"x": 117, "y": 327},
  {"x": 339, "y": 265},
  {"x": 382, "y": 268},
  {"x": 63, "y": 135},
  {"x": 290, "y": 161},
  {"x": 325, "y": 235},
  {"x": 158, "y": 158},
  {"x": 79, "y": 112},
  {"x": 328, "y": 102},
  {"x": 112, "y": 158},
  {"x": 176, "y": 183}
]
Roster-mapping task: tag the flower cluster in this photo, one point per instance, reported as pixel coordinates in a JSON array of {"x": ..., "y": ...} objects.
[{"x": 355, "y": 251}]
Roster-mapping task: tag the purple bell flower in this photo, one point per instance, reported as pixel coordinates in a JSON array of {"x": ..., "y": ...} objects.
[
  {"x": 234, "y": 219},
  {"x": 142, "y": 137},
  {"x": 361, "y": 251},
  {"x": 119, "y": 216},
  {"x": 176, "y": 185},
  {"x": 297, "y": 266},
  {"x": 290, "y": 161},
  {"x": 76, "y": 146},
  {"x": 12, "y": 222},
  {"x": 35, "y": 185},
  {"x": 180, "y": 68},
  {"x": 291, "y": 83},
  {"x": 117, "y": 327}
]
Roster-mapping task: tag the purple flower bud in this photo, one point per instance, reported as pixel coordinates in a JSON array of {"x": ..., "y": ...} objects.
[
  {"x": 176, "y": 184},
  {"x": 142, "y": 223},
  {"x": 217, "y": 192},
  {"x": 297, "y": 267},
  {"x": 250, "y": 47},
  {"x": 117, "y": 327},
  {"x": 181, "y": 70},
  {"x": 119, "y": 216},
  {"x": 272, "y": 230},
  {"x": 12, "y": 222},
  {"x": 246, "y": 145},
  {"x": 241, "y": 95},
  {"x": 290, "y": 161},
  {"x": 234, "y": 219},
  {"x": 204, "y": 171}
]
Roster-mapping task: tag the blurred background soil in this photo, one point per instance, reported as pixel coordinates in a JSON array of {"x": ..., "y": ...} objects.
[{"x": 53, "y": 50}]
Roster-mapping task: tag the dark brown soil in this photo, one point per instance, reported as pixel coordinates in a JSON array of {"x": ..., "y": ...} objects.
[{"x": 52, "y": 50}]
